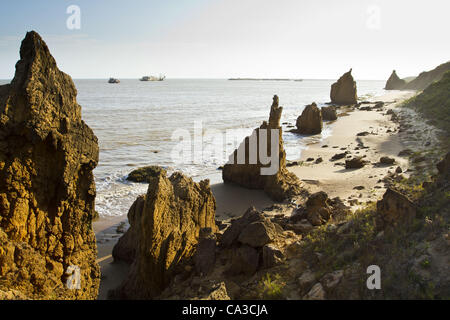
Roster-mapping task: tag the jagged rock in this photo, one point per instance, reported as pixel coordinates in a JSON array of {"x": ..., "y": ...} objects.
[
  {"x": 245, "y": 260},
  {"x": 272, "y": 255},
  {"x": 310, "y": 121},
  {"x": 395, "y": 207},
  {"x": 231, "y": 234},
  {"x": 331, "y": 280},
  {"x": 387, "y": 160},
  {"x": 344, "y": 90},
  {"x": 329, "y": 113},
  {"x": 355, "y": 163},
  {"x": 47, "y": 190},
  {"x": 394, "y": 82},
  {"x": 318, "y": 210},
  {"x": 144, "y": 174},
  {"x": 279, "y": 185},
  {"x": 338, "y": 156},
  {"x": 219, "y": 292},
  {"x": 306, "y": 281},
  {"x": 257, "y": 234},
  {"x": 205, "y": 255},
  {"x": 125, "y": 248},
  {"x": 167, "y": 228},
  {"x": 316, "y": 293}
]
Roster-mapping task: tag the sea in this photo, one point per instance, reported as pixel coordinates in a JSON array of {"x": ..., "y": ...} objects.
[{"x": 187, "y": 125}]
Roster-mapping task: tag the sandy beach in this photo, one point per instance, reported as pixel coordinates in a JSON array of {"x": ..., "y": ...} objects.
[{"x": 329, "y": 176}]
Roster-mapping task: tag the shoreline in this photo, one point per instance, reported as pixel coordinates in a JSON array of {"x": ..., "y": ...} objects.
[{"x": 232, "y": 200}]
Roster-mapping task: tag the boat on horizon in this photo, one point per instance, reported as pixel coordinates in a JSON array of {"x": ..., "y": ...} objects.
[
  {"x": 113, "y": 80},
  {"x": 153, "y": 78}
]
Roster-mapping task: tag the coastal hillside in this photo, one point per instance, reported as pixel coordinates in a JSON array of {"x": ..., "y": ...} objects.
[
  {"x": 422, "y": 81},
  {"x": 434, "y": 103}
]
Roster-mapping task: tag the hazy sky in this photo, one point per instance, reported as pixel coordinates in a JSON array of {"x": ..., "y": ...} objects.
[{"x": 233, "y": 38}]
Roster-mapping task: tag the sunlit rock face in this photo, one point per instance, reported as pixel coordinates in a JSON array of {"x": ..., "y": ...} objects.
[
  {"x": 47, "y": 191},
  {"x": 344, "y": 90},
  {"x": 279, "y": 185},
  {"x": 165, "y": 226}
]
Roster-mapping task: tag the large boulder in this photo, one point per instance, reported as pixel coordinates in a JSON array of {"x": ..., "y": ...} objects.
[
  {"x": 329, "y": 113},
  {"x": 167, "y": 229},
  {"x": 394, "y": 82},
  {"x": 47, "y": 189},
  {"x": 344, "y": 90},
  {"x": 318, "y": 208},
  {"x": 310, "y": 121},
  {"x": 395, "y": 208},
  {"x": 248, "y": 173}
]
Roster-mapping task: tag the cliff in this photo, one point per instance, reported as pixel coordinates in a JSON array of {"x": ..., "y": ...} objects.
[{"x": 47, "y": 190}]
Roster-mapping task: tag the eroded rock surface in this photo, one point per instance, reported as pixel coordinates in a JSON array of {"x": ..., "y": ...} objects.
[
  {"x": 329, "y": 113},
  {"x": 344, "y": 90},
  {"x": 166, "y": 228},
  {"x": 394, "y": 82},
  {"x": 280, "y": 185},
  {"x": 395, "y": 208},
  {"x": 310, "y": 121},
  {"x": 47, "y": 190}
]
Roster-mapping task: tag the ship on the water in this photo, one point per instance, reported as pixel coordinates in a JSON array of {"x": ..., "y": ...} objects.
[
  {"x": 153, "y": 78},
  {"x": 113, "y": 80}
]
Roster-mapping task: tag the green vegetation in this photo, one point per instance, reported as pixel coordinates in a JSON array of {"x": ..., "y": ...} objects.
[
  {"x": 271, "y": 288},
  {"x": 434, "y": 103}
]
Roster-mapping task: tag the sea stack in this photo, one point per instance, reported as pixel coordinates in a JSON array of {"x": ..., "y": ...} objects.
[
  {"x": 394, "y": 82},
  {"x": 310, "y": 121},
  {"x": 47, "y": 190},
  {"x": 344, "y": 90},
  {"x": 280, "y": 185},
  {"x": 165, "y": 227}
]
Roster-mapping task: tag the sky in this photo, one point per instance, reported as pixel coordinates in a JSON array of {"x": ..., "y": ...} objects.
[{"x": 308, "y": 39}]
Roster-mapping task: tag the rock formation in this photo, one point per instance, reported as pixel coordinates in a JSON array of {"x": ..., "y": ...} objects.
[
  {"x": 329, "y": 113},
  {"x": 47, "y": 190},
  {"x": 394, "y": 82},
  {"x": 278, "y": 186},
  {"x": 165, "y": 226},
  {"x": 344, "y": 90},
  {"x": 395, "y": 208},
  {"x": 310, "y": 121},
  {"x": 144, "y": 174},
  {"x": 251, "y": 238}
]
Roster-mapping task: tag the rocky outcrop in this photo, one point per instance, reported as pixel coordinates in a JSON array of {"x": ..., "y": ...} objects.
[
  {"x": 329, "y": 113},
  {"x": 251, "y": 237},
  {"x": 395, "y": 208},
  {"x": 394, "y": 82},
  {"x": 310, "y": 121},
  {"x": 344, "y": 90},
  {"x": 47, "y": 190},
  {"x": 280, "y": 185},
  {"x": 166, "y": 225},
  {"x": 355, "y": 163},
  {"x": 318, "y": 209},
  {"x": 144, "y": 174}
]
